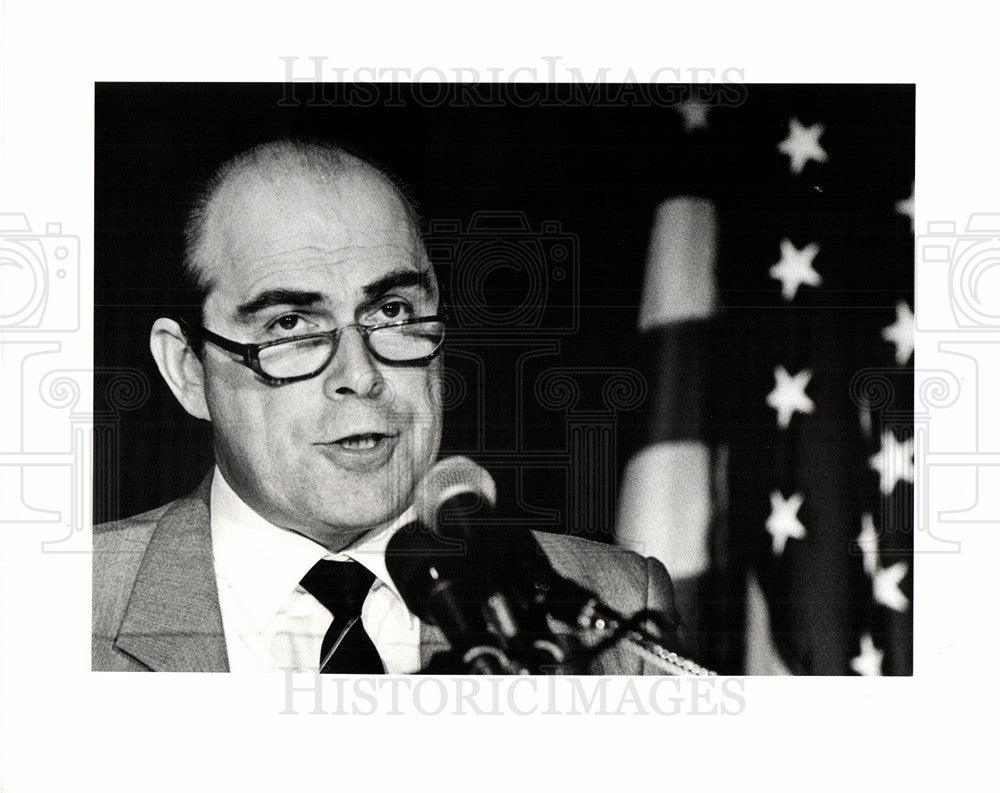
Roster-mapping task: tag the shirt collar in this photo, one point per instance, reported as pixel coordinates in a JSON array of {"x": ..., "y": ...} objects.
[{"x": 264, "y": 563}]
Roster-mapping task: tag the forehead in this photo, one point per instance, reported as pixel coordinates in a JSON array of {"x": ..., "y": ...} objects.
[{"x": 324, "y": 232}]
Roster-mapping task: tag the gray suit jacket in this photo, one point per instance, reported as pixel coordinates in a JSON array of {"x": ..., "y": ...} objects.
[{"x": 156, "y": 606}]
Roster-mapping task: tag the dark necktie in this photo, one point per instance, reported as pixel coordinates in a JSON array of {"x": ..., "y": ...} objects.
[{"x": 342, "y": 587}]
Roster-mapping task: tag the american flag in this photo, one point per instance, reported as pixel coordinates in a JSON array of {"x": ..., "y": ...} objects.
[{"x": 798, "y": 203}]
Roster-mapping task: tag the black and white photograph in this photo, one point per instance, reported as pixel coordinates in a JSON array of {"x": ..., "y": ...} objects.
[
  {"x": 603, "y": 397},
  {"x": 672, "y": 319}
]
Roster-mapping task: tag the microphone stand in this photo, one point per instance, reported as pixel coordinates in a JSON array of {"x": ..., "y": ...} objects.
[
  {"x": 599, "y": 620},
  {"x": 529, "y": 637},
  {"x": 532, "y": 646},
  {"x": 482, "y": 659}
]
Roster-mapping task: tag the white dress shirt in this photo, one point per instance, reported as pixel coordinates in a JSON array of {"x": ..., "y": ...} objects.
[{"x": 270, "y": 622}]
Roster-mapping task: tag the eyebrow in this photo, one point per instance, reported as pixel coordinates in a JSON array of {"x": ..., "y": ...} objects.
[
  {"x": 396, "y": 279},
  {"x": 276, "y": 297}
]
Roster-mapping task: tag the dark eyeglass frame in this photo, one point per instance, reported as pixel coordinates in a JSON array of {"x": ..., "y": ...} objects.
[{"x": 250, "y": 353}]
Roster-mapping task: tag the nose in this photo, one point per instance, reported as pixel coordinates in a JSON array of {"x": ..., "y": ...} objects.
[{"x": 353, "y": 370}]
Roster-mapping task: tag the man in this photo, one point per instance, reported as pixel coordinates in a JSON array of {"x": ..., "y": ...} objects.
[{"x": 316, "y": 360}]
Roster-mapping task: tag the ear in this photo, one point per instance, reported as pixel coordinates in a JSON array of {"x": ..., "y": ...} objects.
[{"x": 180, "y": 367}]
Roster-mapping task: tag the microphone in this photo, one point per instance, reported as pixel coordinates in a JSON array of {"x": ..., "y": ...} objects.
[
  {"x": 467, "y": 581},
  {"x": 428, "y": 562}
]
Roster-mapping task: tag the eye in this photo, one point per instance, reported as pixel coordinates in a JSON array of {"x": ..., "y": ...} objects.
[
  {"x": 394, "y": 309},
  {"x": 286, "y": 323}
]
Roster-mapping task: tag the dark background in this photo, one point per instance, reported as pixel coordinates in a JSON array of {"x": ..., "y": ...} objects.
[{"x": 568, "y": 177}]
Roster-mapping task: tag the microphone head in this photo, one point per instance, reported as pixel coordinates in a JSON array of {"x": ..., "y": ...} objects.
[{"x": 450, "y": 478}]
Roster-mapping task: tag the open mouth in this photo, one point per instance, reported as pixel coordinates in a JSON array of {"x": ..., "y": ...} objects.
[
  {"x": 368, "y": 440},
  {"x": 362, "y": 452},
  {"x": 362, "y": 441}
]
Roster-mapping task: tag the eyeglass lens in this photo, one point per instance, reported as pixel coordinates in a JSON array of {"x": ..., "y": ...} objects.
[{"x": 402, "y": 343}]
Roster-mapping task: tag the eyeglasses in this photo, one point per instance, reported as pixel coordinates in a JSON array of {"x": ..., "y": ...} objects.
[{"x": 408, "y": 341}]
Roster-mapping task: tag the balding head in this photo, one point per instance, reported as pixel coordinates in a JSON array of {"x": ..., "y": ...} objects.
[{"x": 271, "y": 170}]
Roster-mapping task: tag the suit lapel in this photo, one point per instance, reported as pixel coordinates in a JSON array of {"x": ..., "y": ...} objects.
[{"x": 172, "y": 621}]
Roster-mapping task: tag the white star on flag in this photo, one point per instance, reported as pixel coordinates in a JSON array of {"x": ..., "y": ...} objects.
[
  {"x": 695, "y": 114},
  {"x": 885, "y": 587},
  {"x": 906, "y": 207},
  {"x": 783, "y": 521},
  {"x": 894, "y": 462},
  {"x": 789, "y": 395},
  {"x": 868, "y": 543},
  {"x": 900, "y": 333},
  {"x": 802, "y": 145},
  {"x": 795, "y": 268},
  {"x": 869, "y": 662}
]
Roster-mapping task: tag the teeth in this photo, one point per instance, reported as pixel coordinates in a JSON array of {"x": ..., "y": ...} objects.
[{"x": 360, "y": 442}]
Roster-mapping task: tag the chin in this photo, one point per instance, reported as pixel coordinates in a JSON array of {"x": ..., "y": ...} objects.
[
  {"x": 344, "y": 501},
  {"x": 357, "y": 518}
]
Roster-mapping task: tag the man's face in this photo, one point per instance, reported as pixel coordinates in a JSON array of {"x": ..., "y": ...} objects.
[{"x": 340, "y": 453}]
